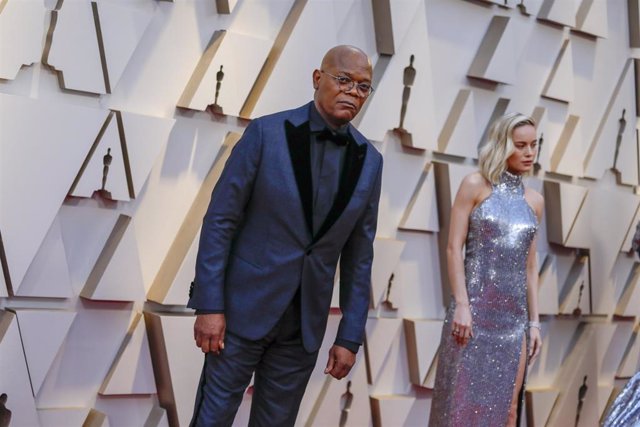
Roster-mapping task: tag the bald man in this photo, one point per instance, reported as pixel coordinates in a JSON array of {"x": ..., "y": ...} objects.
[{"x": 300, "y": 191}]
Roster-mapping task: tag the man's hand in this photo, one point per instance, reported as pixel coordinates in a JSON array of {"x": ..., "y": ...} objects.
[
  {"x": 208, "y": 332},
  {"x": 340, "y": 362}
]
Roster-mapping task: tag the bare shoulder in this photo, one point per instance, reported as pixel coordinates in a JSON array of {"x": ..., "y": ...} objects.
[
  {"x": 476, "y": 186},
  {"x": 535, "y": 199}
]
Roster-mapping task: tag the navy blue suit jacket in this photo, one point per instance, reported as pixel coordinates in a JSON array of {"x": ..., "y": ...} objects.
[{"x": 257, "y": 246}]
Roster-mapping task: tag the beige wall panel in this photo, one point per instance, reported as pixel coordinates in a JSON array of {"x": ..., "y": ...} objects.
[
  {"x": 548, "y": 285},
  {"x": 341, "y": 25},
  {"x": 561, "y": 12},
  {"x": 48, "y": 275},
  {"x": 397, "y": 189},
  {"x": 568, "y": 147},
  {"x": 122, "y": 26},
  {"x": 131, "y": 372},
  {"x": 145, "y": 138},
  {"x": 96, "y": 419},
  {"x": 539, "y": 403},
  {"x": 226, "y": 6},
  {"x": 14, "y": 380},
  {"x": 617, "y": 132},
  {"x": 391, "y": 410},
  {"x": 459, "y": 133},
  {"x": 603, "y": 231},
  {"x": 579, "y": 363},
  {"x": 345, "y": 402},
  {"x": 494, "y": 58},
  {"x": 387, "y": 253},
  {"x": 628, "y": 292},
  {"x": 90, "y": 178},
  {"x": 167, "y": 53},
  {"x": 21, "y": 35},
  {"x": 423, "y": 338},
  {"x": 57, "y": 417},
  {"x": 575, "y": 295},
  {"x": 178, "y": 293},
  {"x": 611, "y": 346},
  {"x": 591, "y": 18},
  {"x": 116, "y": 274},
  {"x": 383, "y": 111},
  {"x": 74, "y": 52},
  {"x": 417, "y": 289},
  {"x": 42, "y": 332},
  {"x": 631, "y": 360},
  {"x": 85, "y": 356},
  {"x": 563, "y": 202},
  {"x": 44, "y": 171},
  {"x": 174, "y": 182},
  {"x": 139, "y": 410},
  {"x": 626, "y": 246},
  {"x": 85, "y": 230},
  {"x": 241, "y": 57},
  {"x": 559, "y": 84},
  {"x": 421, "y": 213},
  {"x": 380, "y": 332}
]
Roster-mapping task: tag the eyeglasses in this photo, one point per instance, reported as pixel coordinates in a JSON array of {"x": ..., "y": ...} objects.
[{"x": 347, "y": 83}]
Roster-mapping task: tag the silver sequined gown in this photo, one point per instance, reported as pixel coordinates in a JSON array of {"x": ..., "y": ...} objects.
[
  {"x": 625, "y": 411},
  {"x": 474, "y": 383}
]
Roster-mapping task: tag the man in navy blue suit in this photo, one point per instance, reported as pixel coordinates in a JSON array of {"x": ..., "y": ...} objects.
[{"x": 300, "y": 191}]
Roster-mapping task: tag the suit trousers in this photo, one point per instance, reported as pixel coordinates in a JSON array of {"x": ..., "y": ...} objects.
[{"x": 282, "y": 369}]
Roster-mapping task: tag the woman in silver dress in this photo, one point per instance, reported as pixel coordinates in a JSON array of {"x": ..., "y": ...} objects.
[{"x": 491, "y": 331}]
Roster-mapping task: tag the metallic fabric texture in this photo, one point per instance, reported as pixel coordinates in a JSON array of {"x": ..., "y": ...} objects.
[
  {"x": 625, "y": 411},
  {"x": 475, "y": 382}
]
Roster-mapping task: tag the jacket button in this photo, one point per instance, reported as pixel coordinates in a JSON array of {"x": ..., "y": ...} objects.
[{"x": 309, "y": 252}]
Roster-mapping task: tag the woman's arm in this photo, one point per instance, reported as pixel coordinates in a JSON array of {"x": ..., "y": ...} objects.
[
  {"x": 473, "y": 189},
  {"x": 537, "y": 203}
]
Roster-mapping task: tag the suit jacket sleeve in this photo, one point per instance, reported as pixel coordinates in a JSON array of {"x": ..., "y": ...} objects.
[
  {"x": 225, "y": 212},
  {"x": 355, "y": 270}
]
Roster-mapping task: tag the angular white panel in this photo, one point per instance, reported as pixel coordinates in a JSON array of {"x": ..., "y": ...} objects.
[
  {"x": 105, "y": 166},
  {"x": 422, "y": 212},
  {"x": 21, "y": 35},
  {"x": 179, "y": 291},
  {"x": 43, "y": 332},
  {"x": 561, "y": 12},
  {"x": 626, "y": 246},
  {"x": 603, "y": 230},
  {"x": 344, "y": 402},
  {"x": 380, "y": 332},
  {"x": 617, "y": 131},
  {"x": 48, "y": 274},
  {"x": 14, "y": 380},
  {"x": 386, "y": 255},
  {"x": 382, "y": 111},
  {"x": 116, "y": 276},
  {"x": 74, "y": 49},
  {"x": 631, "y": 361},
  {"x": 389, "y": 410},
  {"x": 56, "y": 417},
  {"x": 494, "y": 58},
  {"x": 592, "y": 18},
  {"x": 241, "y": 57},
  {"x": 85, "y": 356},
  {"x": 35, "y": 177},
  {"x": 548, "y": 287},
  {"x": 459, "y": 133},
  {"x": 131, "y": 372},
  {"x": 539, "y": 405},
  {"x": 571, "y": 197},
  {"x": 611, "y": 349},
  {"x": 568, "y": 148},
  {"x": 146, "y": 137},
  {"x": 423, "y": 338},
  {"x": 226, "y": 6},
  {"x": 122, "y": 26},
  {"x": 559, "y": 84}
]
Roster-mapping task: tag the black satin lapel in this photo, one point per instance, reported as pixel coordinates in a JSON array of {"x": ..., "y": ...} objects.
[
  {"x": 300, "y": 152},
  {"x": 352, "y": 168}
]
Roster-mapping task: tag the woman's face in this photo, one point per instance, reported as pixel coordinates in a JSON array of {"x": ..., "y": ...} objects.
[{"x": 525, "y": 145}]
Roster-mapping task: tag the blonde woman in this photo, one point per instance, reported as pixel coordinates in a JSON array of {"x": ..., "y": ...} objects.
[{"x": 491, "y": 331}]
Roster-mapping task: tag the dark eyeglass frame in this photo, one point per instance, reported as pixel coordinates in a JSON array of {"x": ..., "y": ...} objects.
[{"x": 347, "y": 83}]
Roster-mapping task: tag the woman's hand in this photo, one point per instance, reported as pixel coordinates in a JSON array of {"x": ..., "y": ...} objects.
[
  {"x": 535, "y": 344},
  {"x": 461, "y": 328}
]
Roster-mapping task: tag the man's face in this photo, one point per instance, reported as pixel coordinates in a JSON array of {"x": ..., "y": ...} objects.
[{"x": 336, "y": 104}]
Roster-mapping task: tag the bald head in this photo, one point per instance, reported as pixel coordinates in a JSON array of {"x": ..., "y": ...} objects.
[
  {"x": 336, "y": 56},
  {"x": 339, "y": 83}
]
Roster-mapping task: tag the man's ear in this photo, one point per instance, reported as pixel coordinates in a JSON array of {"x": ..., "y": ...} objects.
[{"x": 316, "y": 79}]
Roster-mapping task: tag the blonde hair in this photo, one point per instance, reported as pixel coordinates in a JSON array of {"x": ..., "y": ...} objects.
[{"x": 499, "y": 146}]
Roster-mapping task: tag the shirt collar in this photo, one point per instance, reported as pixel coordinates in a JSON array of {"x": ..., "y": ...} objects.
[{"x": 317, "y": 123}]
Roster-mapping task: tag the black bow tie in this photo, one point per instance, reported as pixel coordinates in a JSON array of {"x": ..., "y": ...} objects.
[{"x": 338, "y": 138}]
